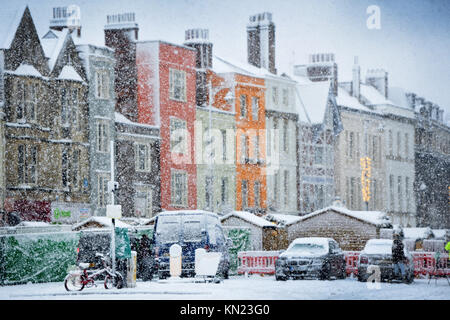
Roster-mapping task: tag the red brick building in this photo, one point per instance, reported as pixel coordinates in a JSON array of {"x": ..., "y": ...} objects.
[{"x": 157, "y": 86}]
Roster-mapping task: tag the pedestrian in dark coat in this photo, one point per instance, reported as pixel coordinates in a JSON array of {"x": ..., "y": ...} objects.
[
  {"x": 144, "y": 258},
  {"x": 398, "y": 256}
]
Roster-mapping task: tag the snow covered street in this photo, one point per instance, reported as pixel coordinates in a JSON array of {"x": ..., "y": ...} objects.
[{"x": 238, "y": 288}]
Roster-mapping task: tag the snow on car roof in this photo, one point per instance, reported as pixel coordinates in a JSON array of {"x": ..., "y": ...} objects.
[
  {"x": 313, "y": 240},
  {"x": 379, "y": 241},
  {"x": 378, "y": 246},
  {"x": 417, "y": 233},
  {"x": 176, "y": 212}
]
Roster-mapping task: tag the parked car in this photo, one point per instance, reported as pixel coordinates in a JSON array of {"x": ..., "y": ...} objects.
[
  {"x": 378, "y": 252},
  {"x": 191, "y": 229},
  {"x": 311, "y": 257}
]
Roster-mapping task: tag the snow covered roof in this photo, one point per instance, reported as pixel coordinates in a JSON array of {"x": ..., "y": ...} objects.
[
  {"x": 52, "y": 43},
  {"x": 373, "y": 96},
  {"x": 313, "y": 101},
  {"x": 377, "y": 218},
  {"x": 104, "y": 222},
  {"x": 120, "y": 118},
  {"x": 398, "y": 96},
  {"x": 9, "y": 22},
  {"x": 27, "y": 70},
  {"x": 282, "y": 219},
  {"x": 249, "y": 217},
  {"x": 221, "y": 65},
  {"x": 344, "y": 99},
  {"x": 69, "y": 73}
]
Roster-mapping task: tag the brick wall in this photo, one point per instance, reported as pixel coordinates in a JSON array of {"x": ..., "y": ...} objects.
[{"x": 350, "y": 233}]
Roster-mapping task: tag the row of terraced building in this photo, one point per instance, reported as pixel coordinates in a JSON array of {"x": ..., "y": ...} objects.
[{"x": 193, "y": 130}]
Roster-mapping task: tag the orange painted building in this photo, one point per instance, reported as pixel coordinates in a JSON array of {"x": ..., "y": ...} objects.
[
  {"x": 249, "y": 93},
  {"x": 251, "y": 185}
]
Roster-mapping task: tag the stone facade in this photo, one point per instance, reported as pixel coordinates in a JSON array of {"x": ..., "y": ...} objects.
[
  {"x": 99, "y": 66},
  {"x": 137, "y": 168},
  {"x": 46, "y": 134},
  {"x": 432, "y": 161}
]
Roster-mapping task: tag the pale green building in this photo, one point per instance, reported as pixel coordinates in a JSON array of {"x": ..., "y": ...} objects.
[{"x": 216, "y": 160}]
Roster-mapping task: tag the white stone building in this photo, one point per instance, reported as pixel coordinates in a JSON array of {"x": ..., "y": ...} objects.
[
  {"x": 383, "y": 131},
  {"x": 281, "y": 135}
]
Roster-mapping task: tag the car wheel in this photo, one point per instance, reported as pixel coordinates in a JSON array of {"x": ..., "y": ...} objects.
[
  {"x": 225, "y": 273},
  {"x": 343, "y": 273},
  {"x": 410, "y": 278},
  {"x": 280, "y": 278},
  {"x": 325, "y": 272}
]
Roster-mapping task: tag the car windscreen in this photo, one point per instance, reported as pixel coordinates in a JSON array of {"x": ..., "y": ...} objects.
[
  {"x": 378, "y": 248},
  {"x": 168, "y": 228},
  {"x": 308, "y": 248}
]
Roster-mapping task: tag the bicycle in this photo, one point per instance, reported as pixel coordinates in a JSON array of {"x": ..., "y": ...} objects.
[{"x": 81, "y": 278}]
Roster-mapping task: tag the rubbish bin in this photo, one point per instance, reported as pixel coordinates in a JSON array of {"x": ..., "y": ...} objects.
[{"x": 131, "y": 270}]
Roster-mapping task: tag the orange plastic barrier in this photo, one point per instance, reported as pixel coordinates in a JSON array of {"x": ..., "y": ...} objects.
[
  {"x": 425, "y": 264},
  {"x": 351, "y": 262},
  {"x": 261, "y": 262}
]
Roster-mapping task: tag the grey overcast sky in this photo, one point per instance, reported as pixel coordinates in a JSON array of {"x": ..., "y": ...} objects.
[{"x": 413, "y": 43}]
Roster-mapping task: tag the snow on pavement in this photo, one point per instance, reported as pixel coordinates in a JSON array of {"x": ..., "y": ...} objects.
[{"x": 238, "y": 288}]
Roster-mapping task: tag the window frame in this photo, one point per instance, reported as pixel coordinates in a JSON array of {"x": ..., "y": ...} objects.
[
  {"x": 102, "y": 84},
  {"x": 184, "y": 191},
  {"x": 148, "y": 198},
  {"x": 102, "y": 190},
  {"x": 147, "y": 161},
  {"x": 102, "y": 145},
  {"x": 177, "y": 75},
  {"x": 173, "y": 127}
]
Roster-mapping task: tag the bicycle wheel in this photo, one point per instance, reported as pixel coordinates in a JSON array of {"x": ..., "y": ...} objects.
[
  {"x": 73, "y": 282},
  {"x": 109, "y": 282},
  {"x": 119, "y": 281}
]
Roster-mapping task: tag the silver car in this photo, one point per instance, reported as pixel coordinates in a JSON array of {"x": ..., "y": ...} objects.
[
  {"x": 311, "y": 257},
  {"x": 378, "y": 253}
]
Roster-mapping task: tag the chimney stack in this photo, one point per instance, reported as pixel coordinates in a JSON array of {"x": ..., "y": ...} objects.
[
  {"x": 356, "y": 79},
  {"x": 123, "y": 23},
  {"x": 321, "y": 67},
  {"x": 378, "y": 78},
  {"x": 261, "y": 41},
  {"x": 199, "y": 40},
  {"x": 411, "y": 97},
  {"x": 67, "y": 17}
]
